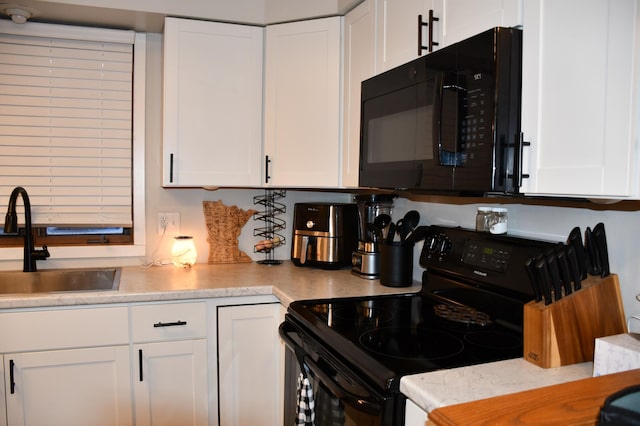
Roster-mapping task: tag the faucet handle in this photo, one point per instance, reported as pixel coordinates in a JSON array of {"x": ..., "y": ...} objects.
[{"x": 41, "y": 254}]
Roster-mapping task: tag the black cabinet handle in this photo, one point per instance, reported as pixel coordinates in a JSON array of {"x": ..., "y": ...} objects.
[
  {"x": 171, "y": 168},
  {"x": 140, "y": 363},
  {"x": 266, "y": 169},
  {"x": 12, "y": 381},
  {"x": 169, "y": 324},
  {"x": 519, "y": 161},
  {"x": 429, "y": 25}
]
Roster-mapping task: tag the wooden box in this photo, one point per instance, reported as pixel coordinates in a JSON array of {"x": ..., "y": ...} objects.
[{"x": 564, "y": 332}]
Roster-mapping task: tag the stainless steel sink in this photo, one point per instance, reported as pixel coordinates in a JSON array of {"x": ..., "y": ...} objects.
[{"x": 59, "y": 280}]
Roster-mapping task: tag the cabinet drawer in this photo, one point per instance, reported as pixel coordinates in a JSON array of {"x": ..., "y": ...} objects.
[
  {"x": 168, "y": 321},
  {"x": 64, "y": 328}
]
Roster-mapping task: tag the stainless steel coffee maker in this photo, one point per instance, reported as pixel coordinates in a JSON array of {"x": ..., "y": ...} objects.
[{"x": 366, "y": 259}]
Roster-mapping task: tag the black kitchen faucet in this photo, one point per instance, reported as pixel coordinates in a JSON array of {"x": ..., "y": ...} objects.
[{"x": 11, "y": 227}]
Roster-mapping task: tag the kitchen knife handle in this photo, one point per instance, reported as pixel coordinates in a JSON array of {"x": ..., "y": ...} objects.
[
  {"x": 600, "y": 237},
  {"x": 594, "y": 267},
  {"x": 574, "y": 268},
  {"x": 575, "y": 240},
  {"x": 531, "y": 273},
  {"x": 543, "y": 279},
  {"x": 563, "y": 267},
  {"x": 554, "y": 274}
]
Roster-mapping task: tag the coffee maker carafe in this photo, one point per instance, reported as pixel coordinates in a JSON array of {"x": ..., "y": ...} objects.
[{"x": 366, "y": 259}]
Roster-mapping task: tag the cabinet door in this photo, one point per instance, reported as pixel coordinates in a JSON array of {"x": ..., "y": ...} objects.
[
  {"x": 302, "y": 103},
  {"x": 249, "y": 367},
  {"x": 462, "y": 19},
  {"x": 89, "y": 386},
  {"x": 579, "y": 92},
  {"x": 398, "y": 31},
  {"x": 170, "y": 383},
  {"x": 359, "y": 65},
  {"x": 212, "y": 103}
]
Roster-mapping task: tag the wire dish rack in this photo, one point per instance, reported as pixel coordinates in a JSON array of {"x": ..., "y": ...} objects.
[{"x": 273, "y": 225}]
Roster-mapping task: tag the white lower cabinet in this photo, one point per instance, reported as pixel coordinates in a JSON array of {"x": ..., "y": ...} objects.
[
  {"x": 414, "y": 415},
  {"x": 170, "y": 374},
  {"x": 171, "y": 383},
  {"x": 151, "y": 363},
  {"x": 67, "y": 367},
  {"x": 249, "y": 367},
  {"x": 88, "y": 386}
]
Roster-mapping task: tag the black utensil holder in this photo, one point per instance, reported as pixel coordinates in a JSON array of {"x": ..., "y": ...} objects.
[{"x": 396, "y": 264}]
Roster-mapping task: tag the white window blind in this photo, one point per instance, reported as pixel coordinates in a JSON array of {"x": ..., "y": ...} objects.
[{"x": 66, "y": 125}]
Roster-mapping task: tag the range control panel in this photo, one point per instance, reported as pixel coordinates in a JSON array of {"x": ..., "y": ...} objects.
[{"x": 487, "y": 259}]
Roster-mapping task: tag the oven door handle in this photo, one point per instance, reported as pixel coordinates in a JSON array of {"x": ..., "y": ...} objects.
[{"x": 359, "y": 402}]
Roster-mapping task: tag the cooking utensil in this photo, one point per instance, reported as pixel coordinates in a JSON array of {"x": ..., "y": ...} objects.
[
  {"x": 418, "y": 234},
  {"x": 575, "y": 240},
  {"x": 391, "y": 234},
  {"x": 600, "y": 238},
  {"x": 409, "y": 223}
]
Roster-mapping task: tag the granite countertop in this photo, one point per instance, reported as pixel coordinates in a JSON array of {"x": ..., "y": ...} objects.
[
  {"x": 288, "y": 283},
  {"x": 447, "y": 387}
]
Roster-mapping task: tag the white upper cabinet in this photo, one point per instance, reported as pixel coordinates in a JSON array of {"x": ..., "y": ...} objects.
[
  {"x": 580, "y": 93},
  {"x": 212, "y": 104},
  {"x": 359, "y": 65},
  {"x": 302, "y": 103},
  {"x": 444, "y": 22},
  {"x": 397, "y": 31},
  {"x": 462, "y": 19}
]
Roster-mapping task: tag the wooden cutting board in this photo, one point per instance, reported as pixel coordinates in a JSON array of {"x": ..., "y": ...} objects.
[{"x": 573, "y": 403}]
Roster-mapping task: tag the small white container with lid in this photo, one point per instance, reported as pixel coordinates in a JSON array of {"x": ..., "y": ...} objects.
[
  {"x": 483, "y": 219},
  {"x": 498, "y": 220}
]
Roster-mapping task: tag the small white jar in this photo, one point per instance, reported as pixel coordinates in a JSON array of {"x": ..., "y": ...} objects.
[
  {"x": 498, "y": 220},
  {"x": 483, "y": 219}
]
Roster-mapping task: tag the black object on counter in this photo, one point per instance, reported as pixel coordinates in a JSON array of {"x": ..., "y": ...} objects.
[
  {"x": 542, "y": 274},
  {"x": 600, "y": 238},
  {"x": 593, "y": 256},
  {"x": 530, "y": 265},
  {"x": 554, "y": 274},
  {"x": 563, "y": 267},
  {"x": 574, "y": 268},
  {"x": 575, "y": 240}
]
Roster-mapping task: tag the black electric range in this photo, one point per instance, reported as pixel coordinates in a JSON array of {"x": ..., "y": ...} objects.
[{"x": 469, "y": 311}]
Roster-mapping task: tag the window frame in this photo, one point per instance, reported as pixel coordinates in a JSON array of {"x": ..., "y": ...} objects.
[{"x": 116, "y": 247}]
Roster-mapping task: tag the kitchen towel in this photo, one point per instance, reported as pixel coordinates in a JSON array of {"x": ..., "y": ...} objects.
[{"x": 305, "y": 413}]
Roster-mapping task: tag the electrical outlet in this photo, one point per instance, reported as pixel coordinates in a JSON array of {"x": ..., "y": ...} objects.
[{"x": 169, "y": 223}]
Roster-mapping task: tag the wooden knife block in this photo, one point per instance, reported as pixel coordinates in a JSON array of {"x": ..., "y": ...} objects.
[{"x": 564, "y": 332}]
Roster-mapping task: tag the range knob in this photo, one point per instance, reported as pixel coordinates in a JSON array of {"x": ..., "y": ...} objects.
[{"x": 444, "y": 245}]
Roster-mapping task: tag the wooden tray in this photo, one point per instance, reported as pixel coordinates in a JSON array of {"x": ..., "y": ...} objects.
[{"x": 564, "y": 332}]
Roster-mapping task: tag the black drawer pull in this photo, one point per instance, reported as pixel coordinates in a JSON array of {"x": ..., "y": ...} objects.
[
  {"x": 169, "y": 324},
  {"x": 12, "y": 380}
]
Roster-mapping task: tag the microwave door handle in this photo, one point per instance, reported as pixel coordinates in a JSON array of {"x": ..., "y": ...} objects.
[{"x": 358, "y": 401}]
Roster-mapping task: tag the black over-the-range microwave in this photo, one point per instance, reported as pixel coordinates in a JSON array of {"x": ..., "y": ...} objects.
[{"x": 448, "y": 121}]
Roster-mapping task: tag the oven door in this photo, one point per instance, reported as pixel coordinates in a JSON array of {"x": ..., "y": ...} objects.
[{"x": 338, "y": 395}]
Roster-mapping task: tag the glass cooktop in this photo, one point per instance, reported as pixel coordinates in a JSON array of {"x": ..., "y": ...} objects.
[{"x": 391, "y": 336}]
